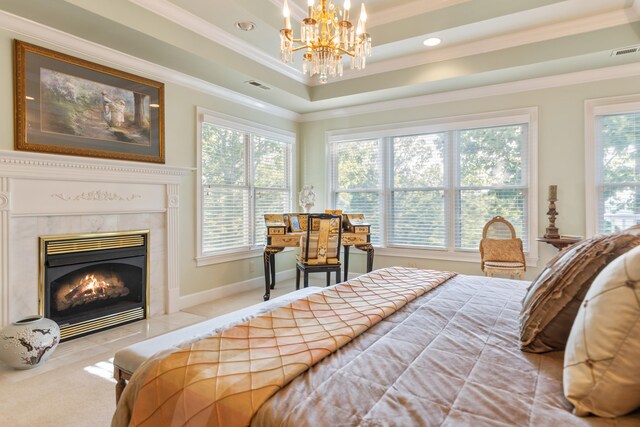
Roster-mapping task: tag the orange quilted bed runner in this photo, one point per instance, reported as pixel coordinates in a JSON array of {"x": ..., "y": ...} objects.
[{"x": 222, "y": 380}]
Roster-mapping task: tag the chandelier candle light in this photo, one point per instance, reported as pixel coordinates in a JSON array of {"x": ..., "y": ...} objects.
[{"x": 326, "y": 34}]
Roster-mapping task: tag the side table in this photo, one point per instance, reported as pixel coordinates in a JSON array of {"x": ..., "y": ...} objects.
[{"x": 558, "y": 243}]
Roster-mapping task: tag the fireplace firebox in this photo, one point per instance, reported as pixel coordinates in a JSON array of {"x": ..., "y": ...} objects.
[{"x": 92, "y": 282}]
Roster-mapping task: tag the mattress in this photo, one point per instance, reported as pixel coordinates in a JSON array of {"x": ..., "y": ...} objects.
[{"x": 448, "y": 358}]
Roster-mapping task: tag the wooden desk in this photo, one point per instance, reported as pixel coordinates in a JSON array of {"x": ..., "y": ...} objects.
[{"x": 558, "y": 243}]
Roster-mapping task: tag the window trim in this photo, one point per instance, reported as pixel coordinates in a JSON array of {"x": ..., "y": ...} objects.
[
  {"x": 224, "y": 120},
  {"x": 592, "y": 109},
  {"x": 528, "y": 115}
]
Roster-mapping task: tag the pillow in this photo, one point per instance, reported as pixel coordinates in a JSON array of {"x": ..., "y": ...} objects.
[
  {"x": 634, "y": 229},
  {"x": 553, "y": 299},
  {"x": 506, "y": 250},
  {"x": 602, "y": 361}
]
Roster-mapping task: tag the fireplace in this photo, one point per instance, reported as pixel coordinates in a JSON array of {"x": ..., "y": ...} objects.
[{"x": 93, "y": 282}]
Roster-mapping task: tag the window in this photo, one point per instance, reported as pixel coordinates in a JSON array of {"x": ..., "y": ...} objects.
[
  {"x": 245, "y": 171},
  {"x": 433, "y": 186},
  {"x": 613, "y": 169}
]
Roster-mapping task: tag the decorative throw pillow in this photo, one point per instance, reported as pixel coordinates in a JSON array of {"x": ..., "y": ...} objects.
[
  {"x": 553, "y": 299},
  {"x": 634, "y": 229},
  {"x": 602, "y": 359},
  {"x": 507, "y": 250}
]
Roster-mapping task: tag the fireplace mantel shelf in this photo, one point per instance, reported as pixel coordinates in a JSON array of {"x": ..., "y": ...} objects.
[{"x": 21, "y": 164}]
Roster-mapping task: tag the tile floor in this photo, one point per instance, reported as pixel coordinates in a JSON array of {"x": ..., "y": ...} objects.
[{"x": 75, "y": 387}]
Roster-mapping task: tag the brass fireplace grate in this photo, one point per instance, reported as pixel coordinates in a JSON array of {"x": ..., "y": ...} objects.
[{"x": 94, "y": 325}]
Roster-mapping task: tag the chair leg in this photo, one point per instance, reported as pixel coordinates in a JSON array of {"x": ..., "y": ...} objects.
[
  {"x": 306, "y": 279},
  {"x": 297, "y": 278},
  {"x": 328, "y": 278},
  {"x": 338, "y": 276}
]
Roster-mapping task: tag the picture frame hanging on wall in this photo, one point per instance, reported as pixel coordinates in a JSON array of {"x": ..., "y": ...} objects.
[{"x": 68, "y": 105}]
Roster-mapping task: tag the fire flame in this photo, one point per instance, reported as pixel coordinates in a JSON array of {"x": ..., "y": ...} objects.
[{"x": 92, "y": 287}]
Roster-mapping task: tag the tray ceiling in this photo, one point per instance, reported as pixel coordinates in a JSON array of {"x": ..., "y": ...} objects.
[{"x": 484, "y": 42}]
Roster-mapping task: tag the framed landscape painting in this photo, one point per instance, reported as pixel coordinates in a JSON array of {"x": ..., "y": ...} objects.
[{"x": 66, "y": 105}]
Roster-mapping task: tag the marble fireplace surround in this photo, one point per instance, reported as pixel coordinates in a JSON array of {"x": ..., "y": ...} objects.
[{"x": 45, "y": 194}]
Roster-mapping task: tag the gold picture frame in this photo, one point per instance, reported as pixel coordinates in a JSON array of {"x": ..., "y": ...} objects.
[{"x": 67, "y": 105}]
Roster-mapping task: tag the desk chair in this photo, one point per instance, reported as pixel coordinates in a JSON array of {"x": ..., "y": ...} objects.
[{"x": 320, "y": 248}]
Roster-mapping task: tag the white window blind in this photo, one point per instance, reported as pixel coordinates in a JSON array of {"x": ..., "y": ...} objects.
[
  {"x": 417, "y": 209},
  {"x": 356, "y": 175},
  {"x": 244, "y": 175},
  {"x": 492, "y": 179},
  {"x": 225, "y": 198},
  {"x": 618, "y": 171},
  {"x": 272, "y": 181},
  {"x": 436, "y": 189}
]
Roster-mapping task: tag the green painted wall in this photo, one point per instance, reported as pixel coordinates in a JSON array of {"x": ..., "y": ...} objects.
[{"x": 560, "y": 154}]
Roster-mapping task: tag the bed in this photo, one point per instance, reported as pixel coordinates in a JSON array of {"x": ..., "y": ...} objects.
[{"x": 449, "y": 357}]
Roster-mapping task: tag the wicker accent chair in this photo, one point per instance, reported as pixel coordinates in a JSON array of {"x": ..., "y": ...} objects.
[
  {"x": 501, "y": 251},
  {"x": 320, "y": 248}
]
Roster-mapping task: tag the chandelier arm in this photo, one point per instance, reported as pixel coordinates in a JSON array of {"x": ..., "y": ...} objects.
[{"x": 351, "y": 54}]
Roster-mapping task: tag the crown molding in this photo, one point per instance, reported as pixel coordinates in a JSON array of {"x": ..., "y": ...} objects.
[
  {"x": 567, "y": 79},
  {"x": 112, "y": 57},
  {"x": 534, "y": 35},
  {"x": 25, "y": 27},
  {"x": 206, "y": 29}
]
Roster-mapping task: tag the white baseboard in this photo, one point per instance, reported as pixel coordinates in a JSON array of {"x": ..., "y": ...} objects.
[
  {"x": 190, "y": 300},
  {"x": 236, "y": 288}
]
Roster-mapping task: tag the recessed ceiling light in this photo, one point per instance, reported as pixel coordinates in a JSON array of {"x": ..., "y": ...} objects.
[
  {"x": 432, "y": 41},
  {"x": 245, "y": 25}
]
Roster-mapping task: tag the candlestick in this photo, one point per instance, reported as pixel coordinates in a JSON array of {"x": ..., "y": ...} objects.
[
  {"x": 552, "y": 230},
  {"x": 553, "y": 192},
  {"x": 362, "y": 22},
  {"x": 287, "y": 14}
]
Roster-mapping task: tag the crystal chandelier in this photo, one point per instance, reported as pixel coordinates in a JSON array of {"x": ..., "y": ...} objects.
[{"x": 326, "y": 34}]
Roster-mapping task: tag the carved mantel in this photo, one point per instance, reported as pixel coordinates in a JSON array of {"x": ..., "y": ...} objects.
[{"x": 34, "y": 185}]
